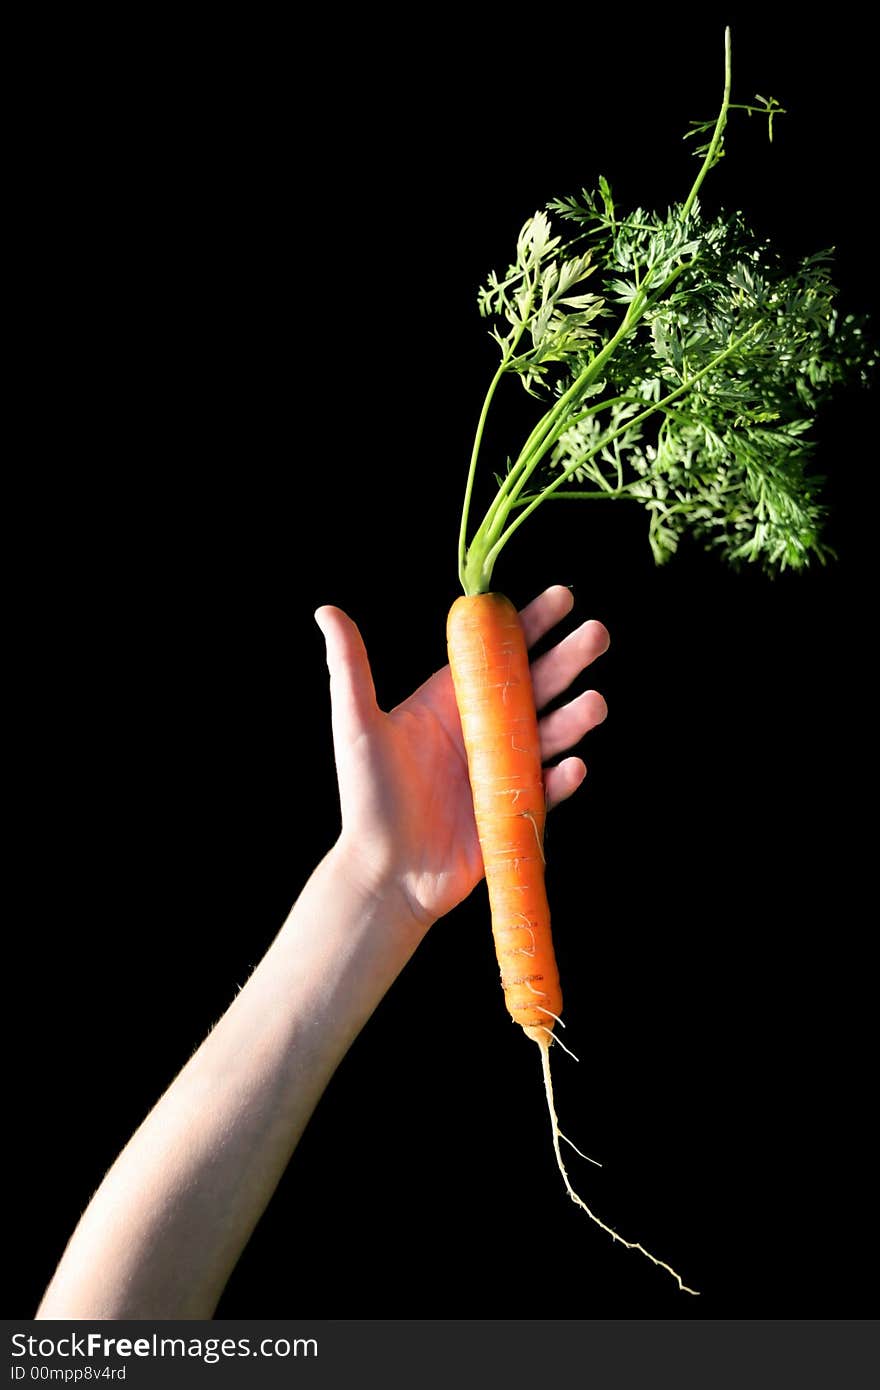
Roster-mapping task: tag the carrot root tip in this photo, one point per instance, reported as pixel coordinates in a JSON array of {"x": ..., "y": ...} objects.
[{"x": 539, "y": 1034}]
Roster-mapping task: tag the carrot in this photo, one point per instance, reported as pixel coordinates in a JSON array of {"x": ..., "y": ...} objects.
[
  {"x": 658, "y": 390},
  {"x": 493, "y": 689},
  {"x": 489, "y": 662}
]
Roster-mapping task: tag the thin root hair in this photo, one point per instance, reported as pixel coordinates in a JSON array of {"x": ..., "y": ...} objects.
[
  {"x": 527, "y": 815},
  {"x": 553, "y": 1038},
  {"x": 551, "y": 1013},
  {"x": 579, "y": 1151}
]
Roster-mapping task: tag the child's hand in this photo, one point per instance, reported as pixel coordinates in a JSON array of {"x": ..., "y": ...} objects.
[{"x": 407, "y": 815}]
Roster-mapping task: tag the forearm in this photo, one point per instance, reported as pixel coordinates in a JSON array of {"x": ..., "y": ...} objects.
[{"x": 165, "y": 1228}]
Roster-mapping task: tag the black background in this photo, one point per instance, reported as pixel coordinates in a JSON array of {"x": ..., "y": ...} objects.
[{"x": 252, "y": 369}]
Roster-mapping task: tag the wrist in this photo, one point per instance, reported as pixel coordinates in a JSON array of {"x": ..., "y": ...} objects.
[{"x": 380, "y": 887}]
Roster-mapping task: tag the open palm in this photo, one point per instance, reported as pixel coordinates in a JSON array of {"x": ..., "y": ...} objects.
[{"x": 406, "y": 802}]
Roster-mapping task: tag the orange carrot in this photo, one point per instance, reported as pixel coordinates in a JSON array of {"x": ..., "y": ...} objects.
[{"x": 493, "y": 689}]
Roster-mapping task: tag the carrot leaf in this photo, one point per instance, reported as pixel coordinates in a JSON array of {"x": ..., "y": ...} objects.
[{"x": 685, "y": 378}]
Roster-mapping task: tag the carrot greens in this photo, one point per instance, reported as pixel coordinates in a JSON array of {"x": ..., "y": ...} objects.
[{"x": 683, "y": 363}]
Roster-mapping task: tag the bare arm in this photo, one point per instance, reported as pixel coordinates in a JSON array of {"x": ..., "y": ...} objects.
[
  {"x": 168, "y": 1223},
  {"x": 166, "y": 1226}
]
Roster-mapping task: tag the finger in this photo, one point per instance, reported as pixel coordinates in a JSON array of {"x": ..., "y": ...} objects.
[
  {"x": 564, "y": 779},
  {"x": 352, "y": 692},
  {"x": 566, "y": 726},
  {"x": 555, "y": 671},
  {"x": 545, "y": 612}
]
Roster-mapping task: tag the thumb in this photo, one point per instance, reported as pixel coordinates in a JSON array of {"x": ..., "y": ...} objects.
[{"x": 352, "y": 693}]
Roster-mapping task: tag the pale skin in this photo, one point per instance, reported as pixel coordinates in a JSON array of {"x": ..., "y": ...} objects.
[{"x": 166, "y": 1226}]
